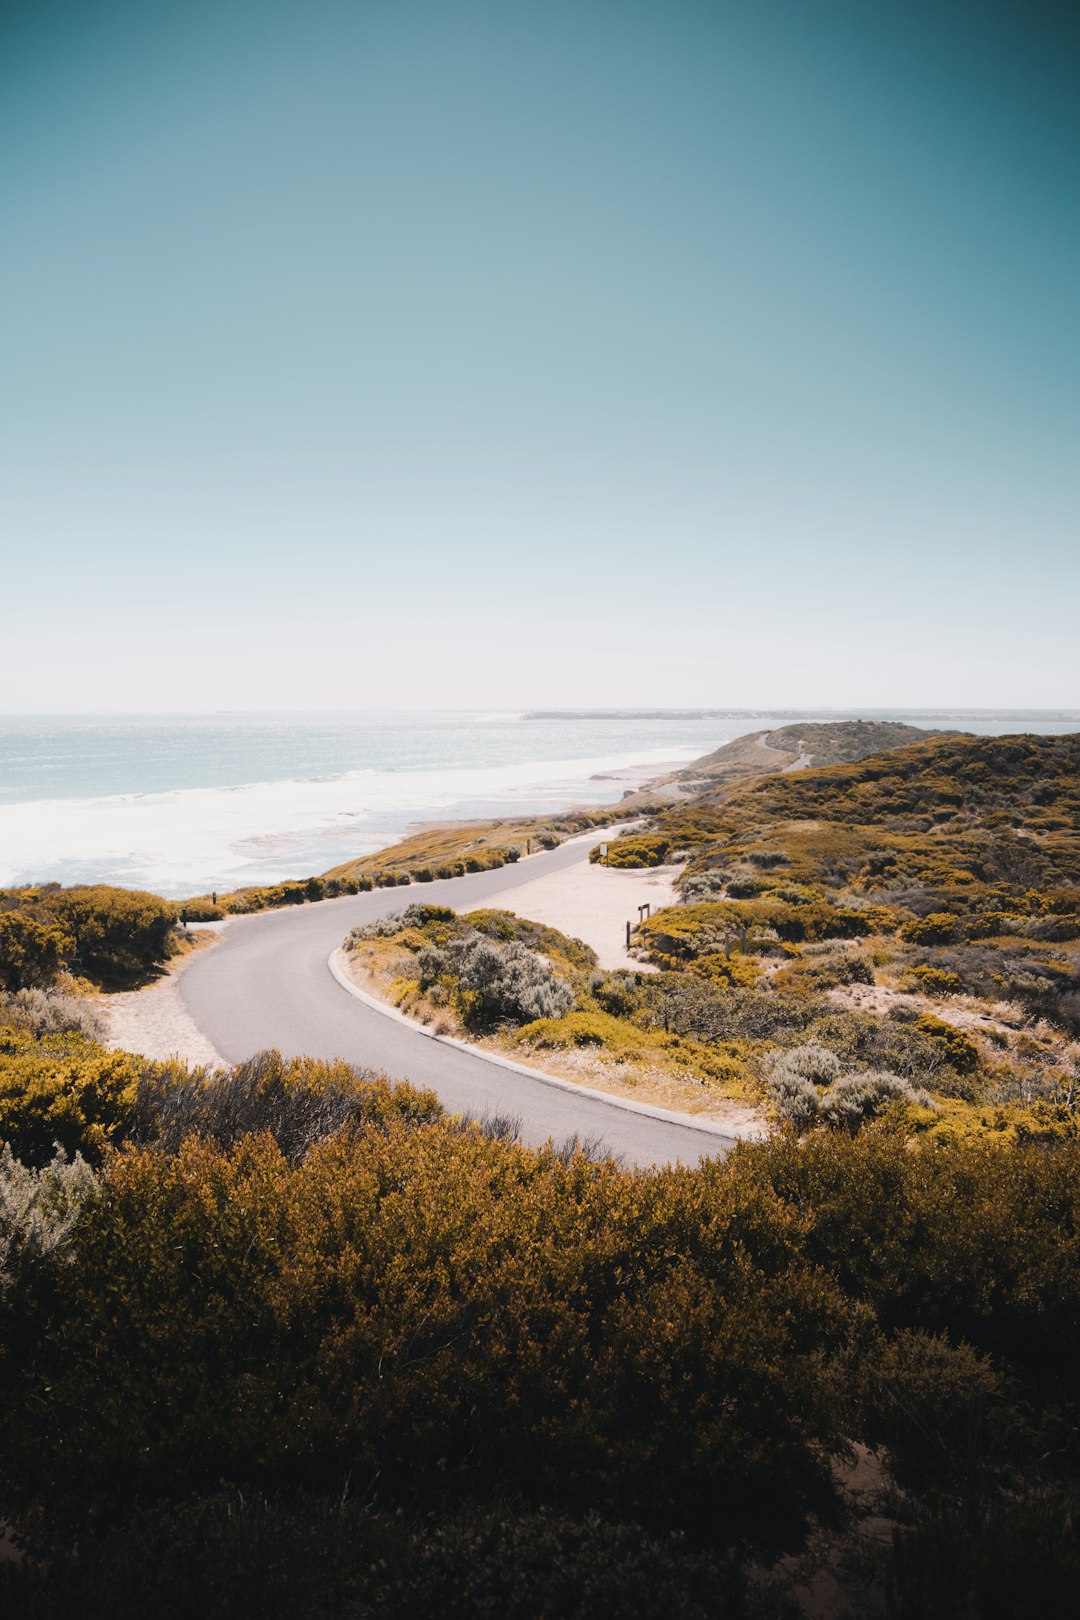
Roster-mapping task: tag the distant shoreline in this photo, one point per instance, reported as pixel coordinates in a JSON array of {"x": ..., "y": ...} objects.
[{"x": 1061, "y": 715}]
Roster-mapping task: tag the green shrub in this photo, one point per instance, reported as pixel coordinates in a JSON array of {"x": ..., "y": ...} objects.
[
  {"x": 436, "y": 1313},
  {"x": 856, "y": 1098},
  {"x": 121, "y": 935},
  {"x": 585, "y": 1029},
  {"x": 934, "y": 980},
  {"x": 64, "y": 1092},
  {"x": 33, "y": 950},
  {"x": 498, "y": 984},
  {"x": 939, "y": 928},
  {"x": 299, "y": 1101},
  {"x": 645, "y": 850}
]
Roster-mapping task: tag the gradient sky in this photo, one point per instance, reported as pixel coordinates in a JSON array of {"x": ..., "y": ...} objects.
[{"x": 400, "y": 354}]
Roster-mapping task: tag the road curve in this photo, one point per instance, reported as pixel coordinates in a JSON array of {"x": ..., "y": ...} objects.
[{"x": 269, "y": 984}]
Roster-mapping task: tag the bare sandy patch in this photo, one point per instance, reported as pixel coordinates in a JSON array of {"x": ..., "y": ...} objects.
[
  {"x": 594, "y": 904},
  {"x": 963, "y": 1012},
  {"x": 154, "y": 1021}
]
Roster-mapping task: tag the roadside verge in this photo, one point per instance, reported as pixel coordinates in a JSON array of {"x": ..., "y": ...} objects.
[{"x": 693, "y": 1122}]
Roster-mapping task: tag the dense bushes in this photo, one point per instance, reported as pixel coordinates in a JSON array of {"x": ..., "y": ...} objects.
[
  {"x": 300, "y": 1101},
  {"x": 809, "y": 1086},
  {"x": 114, "y": 937},
  {"x": 438, "y": 1313},
  {"x": 303, "y": 1556},
  {"x": 64, "y": 1091},
  {"x": 489, "y": 1344},
  {"x": 491, "y": 967},
  {"x": 635, "y": 851},
  {"x": 120, "y": 934},
  {"x": 32, "y": 951}
]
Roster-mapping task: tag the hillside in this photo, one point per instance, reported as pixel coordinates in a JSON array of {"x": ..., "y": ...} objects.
[{"x": 794, "y": 747}]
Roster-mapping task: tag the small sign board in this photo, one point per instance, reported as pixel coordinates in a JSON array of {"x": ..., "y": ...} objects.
[{"x": 603, "y": 851}]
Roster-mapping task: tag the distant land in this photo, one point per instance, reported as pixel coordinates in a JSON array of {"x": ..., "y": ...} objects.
[{"x": 802, "y": 714}]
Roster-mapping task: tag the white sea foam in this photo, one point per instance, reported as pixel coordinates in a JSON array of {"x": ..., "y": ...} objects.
[{"x": 193, "y": 839}]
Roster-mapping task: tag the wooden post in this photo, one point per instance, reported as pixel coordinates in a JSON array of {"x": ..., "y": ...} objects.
[{"x": 628, "y": 936}]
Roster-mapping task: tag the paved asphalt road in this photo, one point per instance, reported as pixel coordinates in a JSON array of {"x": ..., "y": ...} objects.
[{"x": 268, "y": 985}]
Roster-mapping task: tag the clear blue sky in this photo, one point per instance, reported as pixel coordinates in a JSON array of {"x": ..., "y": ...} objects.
[{"x": 388, "y": 353}]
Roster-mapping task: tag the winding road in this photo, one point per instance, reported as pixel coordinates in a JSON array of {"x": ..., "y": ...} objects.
[{"x": 269, "y": 984}]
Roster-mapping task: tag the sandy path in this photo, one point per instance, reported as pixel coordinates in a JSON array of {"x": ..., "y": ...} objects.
[
  {"x": 155, "y": 1023},
  {"x": 594, "y": 904}
]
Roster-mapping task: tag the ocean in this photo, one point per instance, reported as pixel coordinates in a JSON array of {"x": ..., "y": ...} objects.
[{"x": 184, "y": 803}]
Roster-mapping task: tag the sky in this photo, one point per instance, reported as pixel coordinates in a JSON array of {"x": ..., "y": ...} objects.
[{"x": 401, "y": 354}]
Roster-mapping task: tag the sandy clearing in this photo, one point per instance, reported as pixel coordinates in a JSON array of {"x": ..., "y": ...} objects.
[
  {"x": 998, "y": 1017},
  {"x": 155, "y": 1023},
  {"x": 594, "y": 904}
]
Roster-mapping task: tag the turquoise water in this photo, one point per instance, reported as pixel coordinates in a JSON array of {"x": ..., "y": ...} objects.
[{"x": 181, "y": 803}]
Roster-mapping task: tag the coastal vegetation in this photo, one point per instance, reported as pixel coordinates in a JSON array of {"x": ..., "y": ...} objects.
[
  {"x": 792, "y": 747},
  {"x": 110, "y": 937},
  {"x": 914, "y": 917},
  {"x": 448, "y": 851},
  {"x": 287, "y": 1338},
  {"x": 293, "y": 1308}
]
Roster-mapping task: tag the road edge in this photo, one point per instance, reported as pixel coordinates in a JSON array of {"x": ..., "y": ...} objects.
[{"x": 689, "y": 1122}]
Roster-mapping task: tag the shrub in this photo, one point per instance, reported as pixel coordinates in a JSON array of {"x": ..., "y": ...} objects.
[
  {"x": 436, "y": 1313},
  {"x": 418, "y": 915},
  {"x": 728, "y": 968},
  {"x": 960, "y": 1050},
  {"x": 506, "y": 926},
  {"x": 578, "y": 1029},
  {"x": 900, "y": 1043},
  {"x": 811, "y": 1062},
  {"x": 64, "y": 1091},
  {"x": 300, "y": 1101},
  {"x": 687, "y": 1004},
  {"x": 797, "y": 1100},
  {"x": 647, "y": 850},
  {"x": 825, "y": 972},
  {"x": 856, "y": 1098},
  {"x": 309, "y": 1556},
  {"x": 617, "y": 993},
  {"x": 939, "y": 928},
  {"x": 381, "y": 928},
  {"x": 505, "y": 983},
  {"x": 38, "y": 1209},
  {"x": 53, "y": 1012},
  {"x": 33, "y": 950},
  {"x": 932, "y": 980},
  {"x": 120, "y": 935}
]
